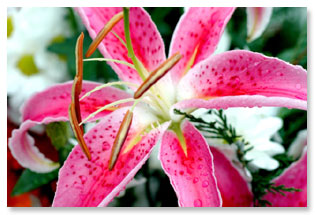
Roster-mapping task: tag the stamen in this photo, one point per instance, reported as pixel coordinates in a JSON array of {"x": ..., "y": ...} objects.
[
  {"x": 106, "y": 107},
  {"x": 119, "y": 83},
  {"x": 120, "y": 138},
  {"x": 74, "y": 108},
  {"x": 102, "y": 34},
  {"x": 112, "y": 60},
  {"x": 157, "y": 74}
]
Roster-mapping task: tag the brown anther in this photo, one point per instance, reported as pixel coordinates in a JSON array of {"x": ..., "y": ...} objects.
[
  {"x": 74, "y": 108},
  {"x": 120, "y": 138},
  {"x": 102, "y": 34},
  {"x": 157, "y": 74}
]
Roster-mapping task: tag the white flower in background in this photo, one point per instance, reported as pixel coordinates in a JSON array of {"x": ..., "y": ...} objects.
[
  {"x": 30, "y": 67},
  {"x": 296, "y": 148},
  {"x": 256, "y": 126}
]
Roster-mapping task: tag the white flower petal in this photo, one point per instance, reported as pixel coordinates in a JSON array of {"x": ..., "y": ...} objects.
[
  {"x": 261, "y": 160},
  {"x": 296, "y": 148}
]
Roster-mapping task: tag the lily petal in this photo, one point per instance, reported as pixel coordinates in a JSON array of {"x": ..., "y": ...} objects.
[
  {"x": 91, "y": 183},
  {"x": 234, "y": 189},
  {"x": 191, "y": 176},
  {"x": 49, "y": 106},
  {"x": 257, "y": 21},
  {"x": 244, "y": 79},
  {"x": 295, "y": 176},
  {"x": 197, "y": 35},
  {"x": 146, "y": 40}
]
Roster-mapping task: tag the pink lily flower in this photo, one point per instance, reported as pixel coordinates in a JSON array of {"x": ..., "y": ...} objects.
[{"x": 199, "y": 175}]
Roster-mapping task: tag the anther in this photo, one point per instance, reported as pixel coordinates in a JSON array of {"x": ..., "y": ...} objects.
[
  {"x": 120, "y": 138},
  {"x": 157, "y": 74},
  {"x": 102, "y": 34},
  {"x": 74, "y": 108}
]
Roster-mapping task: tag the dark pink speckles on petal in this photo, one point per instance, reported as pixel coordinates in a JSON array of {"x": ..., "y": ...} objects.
[
  {"x": 146, "y": 39},
  {"x": 193, "y": 187},
  {"x": 92, "y": 179},
  {"x": 198, "y": 27},
  {"x": 51, "y": 105}
]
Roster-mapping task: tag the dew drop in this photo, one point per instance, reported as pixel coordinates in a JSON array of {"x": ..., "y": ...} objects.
[
  {"x": 205, "y": 173},
  {"x": 237, "y": 80},
  {"x": 200, "y": 166},
  {"x": 298, "y": 86},
  {"x": 83, "y": 178},
  {"x": 205, "y": 184},
  {"x": 106, "y": 146},
  {"x": 195, "y": 180},
  {"x": 82, "y": 196},
  {"x": 198, "y": 203}
]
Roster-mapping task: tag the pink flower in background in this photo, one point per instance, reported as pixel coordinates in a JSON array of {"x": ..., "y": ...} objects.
[{"x": 199, "y": 175}]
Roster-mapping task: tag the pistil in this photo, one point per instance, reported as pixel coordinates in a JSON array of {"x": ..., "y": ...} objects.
[{"x": 136, "y": 62}]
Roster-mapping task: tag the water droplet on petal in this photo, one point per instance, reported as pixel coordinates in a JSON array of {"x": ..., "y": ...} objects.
[
  {"x": 83, "y": 178},
  {"x": 298, "y": 86},
  {"x": 82, "y": 196},
  {"x": 195, "y": 180},
  {"x": 198, "y": 203},
  {"x": 205, "y": 174},
  {"x": 237, "y": 80},
  {"x": 205, "y": 183},
  {"x": 106, "y": 146}
]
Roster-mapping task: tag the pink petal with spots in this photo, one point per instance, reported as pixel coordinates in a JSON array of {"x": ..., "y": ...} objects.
[
  {"x": 191, "y": 176},
  {"x": 234, "y": 189},
  {"x": 49, "y": 106},
  {"x": 225, "y": 102},
  {"x": 200, "y": 29},
  {"x": 146, "y": 40},
  {"x": 295, "y": 176},
  {"x": 257, "y": 20},
  {"x": 90, "y": 183},
  {"x": 234, "y": 74}
]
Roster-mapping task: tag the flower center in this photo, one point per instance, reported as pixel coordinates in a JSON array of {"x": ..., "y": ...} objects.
[
  {"x": 9, "y": 26},
  {"x": 27, "y": 65},
  {"x": 147, "y": 92}
]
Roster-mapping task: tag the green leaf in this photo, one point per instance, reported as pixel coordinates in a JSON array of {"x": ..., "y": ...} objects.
[
  {"x": 30, "y": 180},
  {"x": 93, "y": 71},
  {"x": 294, "y": 120},
  {"x": 58, "y": 133},
  {"x": 64, "y": 152}
]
